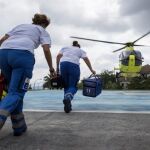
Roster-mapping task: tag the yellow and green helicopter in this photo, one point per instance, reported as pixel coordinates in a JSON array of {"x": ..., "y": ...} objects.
[{"x": 130, "y": 60}]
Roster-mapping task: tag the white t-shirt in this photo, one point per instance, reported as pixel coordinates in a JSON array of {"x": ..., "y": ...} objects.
[
  {"x": 72, "y": 54},
  {"x": 26, "y": 37}
]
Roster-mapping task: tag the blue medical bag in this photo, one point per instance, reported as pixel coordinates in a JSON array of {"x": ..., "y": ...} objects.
[{"x": 92, "y": 86}]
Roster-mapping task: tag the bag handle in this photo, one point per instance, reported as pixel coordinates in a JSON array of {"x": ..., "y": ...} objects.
[{"x": 94, "y": 75}]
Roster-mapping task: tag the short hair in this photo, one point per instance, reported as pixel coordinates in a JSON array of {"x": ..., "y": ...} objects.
[
  {"x": 75, "y": 43},
  {"x": 41, "y": 19}
]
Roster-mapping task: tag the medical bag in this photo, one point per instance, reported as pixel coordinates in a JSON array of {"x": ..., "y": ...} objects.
[
  {"x": 92, "y": 86},
  {"x": 3, "y": 86},
  {"x": 56, "y": 82}
]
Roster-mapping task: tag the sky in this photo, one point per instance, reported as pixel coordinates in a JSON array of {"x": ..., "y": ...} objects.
[{"x": 112, "y": 20}]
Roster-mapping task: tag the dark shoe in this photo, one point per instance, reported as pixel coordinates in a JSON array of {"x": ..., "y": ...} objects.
[
  {"x": 67, "y": 106},
  {"x": 20, "y": 132}
]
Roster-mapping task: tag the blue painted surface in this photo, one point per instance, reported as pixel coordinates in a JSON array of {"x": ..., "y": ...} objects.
[{"x": 107, "y": 101}]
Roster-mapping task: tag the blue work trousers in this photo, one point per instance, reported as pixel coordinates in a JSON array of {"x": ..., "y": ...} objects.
[
  {"x": 70, "y": 73},
  {"x": 17, "y": 67}
]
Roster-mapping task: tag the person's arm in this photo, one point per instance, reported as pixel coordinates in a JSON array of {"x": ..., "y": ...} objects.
[
  {"x": 5, "y": 37},
  {"x": 48, "y": 57},
  {"x": 58, "y": 61},
  {"x": 88, "y": 63}
]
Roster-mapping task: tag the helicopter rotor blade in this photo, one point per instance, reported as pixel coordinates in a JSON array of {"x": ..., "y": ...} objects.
[
  {"x": 142, "y": 45},
  {"x": 97, "y": 40},
  {"x": 119, "y": 49},
  {"x": 141, "y": 37}
]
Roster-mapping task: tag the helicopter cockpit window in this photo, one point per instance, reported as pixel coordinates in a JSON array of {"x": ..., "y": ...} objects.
[
  {"x": 124, "y": 57},
  {"x": 138, "y": 54},
  {"x": 138, "y": 58}
]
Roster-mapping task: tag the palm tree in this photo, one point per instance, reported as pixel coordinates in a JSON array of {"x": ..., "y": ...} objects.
[{"x": 47, "y": 82}]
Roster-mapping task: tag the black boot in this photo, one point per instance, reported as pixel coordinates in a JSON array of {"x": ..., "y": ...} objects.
[
  {"x": 19, "y": 133},
  {"x": 67, "y": 106}
]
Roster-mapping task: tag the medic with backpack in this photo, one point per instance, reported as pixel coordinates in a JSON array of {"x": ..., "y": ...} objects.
[{"x": 17, "y": 63}]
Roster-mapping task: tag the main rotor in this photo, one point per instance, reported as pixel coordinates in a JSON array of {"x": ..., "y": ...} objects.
[{"x": 128, "y": 44}]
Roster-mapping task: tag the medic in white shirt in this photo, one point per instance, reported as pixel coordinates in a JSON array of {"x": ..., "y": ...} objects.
[
  {"x": 68, "y": 66},
  {"x": 17, "y": 62}
]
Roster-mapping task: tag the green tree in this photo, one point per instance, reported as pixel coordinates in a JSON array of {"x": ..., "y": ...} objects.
[
  {"x": 139, "y": 84},
  {"x": 109, "y": 80}
]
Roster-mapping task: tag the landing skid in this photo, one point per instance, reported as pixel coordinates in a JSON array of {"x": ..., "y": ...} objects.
[{"x": 125, "y": 76}]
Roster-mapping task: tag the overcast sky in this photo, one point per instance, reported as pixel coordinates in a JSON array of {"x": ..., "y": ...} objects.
[{"x": 113, "y": 20}]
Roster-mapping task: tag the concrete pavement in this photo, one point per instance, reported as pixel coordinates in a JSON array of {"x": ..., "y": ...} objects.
[{"x": 80, "y": 131}]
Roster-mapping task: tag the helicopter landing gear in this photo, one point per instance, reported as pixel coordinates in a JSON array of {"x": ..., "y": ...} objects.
[
  {"x": 118, "y": 75},
  {"x": 144, "y": 75}
]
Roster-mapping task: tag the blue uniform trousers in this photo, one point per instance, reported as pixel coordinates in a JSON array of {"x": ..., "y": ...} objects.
[
  {"x": 70, "y": 73},
  {"x": 17, "y": 66}
]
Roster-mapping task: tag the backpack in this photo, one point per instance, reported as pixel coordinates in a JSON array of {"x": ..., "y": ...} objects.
[{"x": 3, "y": 87}]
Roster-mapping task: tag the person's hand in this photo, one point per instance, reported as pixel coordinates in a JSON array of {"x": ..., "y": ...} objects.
[
  {"x": 52, "y": 72},
  {"x": 93, "y": 71}
]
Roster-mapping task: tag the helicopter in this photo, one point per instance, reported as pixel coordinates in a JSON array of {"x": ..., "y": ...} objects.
[{"x": 130, "y": 60}]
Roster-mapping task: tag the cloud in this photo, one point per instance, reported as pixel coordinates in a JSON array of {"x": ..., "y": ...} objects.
[
  {"x": 132, "y": 7},
  {"x": 112, "y": 20},
  {"x": 85, "y": 14},
  {"x": 137, "y": 13},
  {"x": 14, "y": 13}
]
